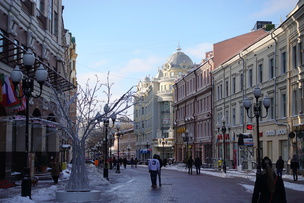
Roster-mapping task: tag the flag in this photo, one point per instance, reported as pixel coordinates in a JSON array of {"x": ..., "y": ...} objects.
[
  {"x": 8, "y": 94},
  {"x": 20, "y": 104}
]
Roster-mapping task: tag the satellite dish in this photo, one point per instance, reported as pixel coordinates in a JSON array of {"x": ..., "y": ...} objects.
[{"x": 291, "y": 135}]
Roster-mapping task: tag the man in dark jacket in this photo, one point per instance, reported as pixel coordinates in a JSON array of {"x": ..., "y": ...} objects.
[
  {"x": 198, "y": 163},
  {"x": 280, "y": 166},
  {"x": 190, "y": 165},
  {"x": 294, "y": 166}
]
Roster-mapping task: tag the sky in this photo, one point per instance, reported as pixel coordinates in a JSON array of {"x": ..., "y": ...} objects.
[
  {"x": 47, "y": 194},
  {"x": 132, "y": 39}
]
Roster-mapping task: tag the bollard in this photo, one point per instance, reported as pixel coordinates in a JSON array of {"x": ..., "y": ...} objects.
[{"x": 26, "y": 184}]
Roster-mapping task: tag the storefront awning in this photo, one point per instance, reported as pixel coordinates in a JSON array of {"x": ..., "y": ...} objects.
[
  {"x": 245, "y": 139},
  {"x": 144, "y": 151}
]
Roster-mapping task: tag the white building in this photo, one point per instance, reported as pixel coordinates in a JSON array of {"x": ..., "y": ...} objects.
[{"x": 153, "y": 116}]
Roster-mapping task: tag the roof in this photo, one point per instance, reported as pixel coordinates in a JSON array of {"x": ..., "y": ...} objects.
[
  {"x": 179, "y": 60},
  {"x": 230, "y": 47}
]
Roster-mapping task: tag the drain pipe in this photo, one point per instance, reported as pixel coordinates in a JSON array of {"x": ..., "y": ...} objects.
[
  {"x": 275, "y": 76},
  {"x": 243, "y": 92},
  {"x": 275, "y": 98},
  {"x": 212, "y": 105}
]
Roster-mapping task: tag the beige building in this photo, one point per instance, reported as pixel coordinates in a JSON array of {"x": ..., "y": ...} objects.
[
  {"x": 38, "y": 26},
  {"x": 274, "y": 63}
]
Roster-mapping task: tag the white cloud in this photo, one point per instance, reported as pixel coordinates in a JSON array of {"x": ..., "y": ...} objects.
[
  {"x": 97, "y": 64},
  {"x": 142, "y": 65},
  {"x": 197, "y": 53},
  {"x": 275, "y": 7}
]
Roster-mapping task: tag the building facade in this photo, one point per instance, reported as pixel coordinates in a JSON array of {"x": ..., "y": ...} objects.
[
  {"x": 38, "y": 26},
  {"x": 153, "y": 113},
  {"x": 274, "y": 64}
]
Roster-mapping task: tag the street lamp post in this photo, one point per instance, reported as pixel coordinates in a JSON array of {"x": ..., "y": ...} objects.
[
  {"x": 257, "y": 114},
  {"x": 224, "y": 129},
  {"x": 147, "y": 145},
  {"x": 110, "y": 144},
  {"x": 128, "y": 148},
  {"x": 186, "y": 137},
  {"x": 106, "y": 124},
  {"x": 118, "y": 134},
  {"x": 164, "y": 141},
  {"x": 201, "y": 149},
  {"x": 27, "y": 89}
]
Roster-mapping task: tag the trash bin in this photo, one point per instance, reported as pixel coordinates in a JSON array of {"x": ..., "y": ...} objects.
[{"x": 26, "y": 184}]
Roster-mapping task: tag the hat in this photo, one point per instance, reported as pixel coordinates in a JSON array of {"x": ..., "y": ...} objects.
[{"x": 266, "y": 161}]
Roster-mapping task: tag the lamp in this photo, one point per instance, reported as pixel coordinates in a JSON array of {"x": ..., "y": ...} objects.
[
  {"x": 186, "y": 137},
  {"x": 129, "y": 148},
  {"x": 257, "y": 114},
  {"x": 27, "y": 89},
  {"x": 223, "y": 129},
  {"x": 164, "y": 141},
  {"x": 106, "y": 124},
  {"x": 118, "y": 134}
]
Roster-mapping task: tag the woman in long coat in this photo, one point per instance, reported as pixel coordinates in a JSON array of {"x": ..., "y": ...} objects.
[
  {"x": 268, "y": 187},
  {"x": 56, "y": 169}
]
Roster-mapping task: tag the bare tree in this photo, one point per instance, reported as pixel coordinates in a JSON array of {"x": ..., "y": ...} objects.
[{"x": 88, "y": 115}]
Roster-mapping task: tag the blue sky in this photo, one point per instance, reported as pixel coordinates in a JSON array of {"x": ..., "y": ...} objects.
[{"x": 131, "y": 39}]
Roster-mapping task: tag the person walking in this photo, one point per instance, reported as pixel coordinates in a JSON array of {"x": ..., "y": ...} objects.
[
  {"x": 190, "y": 165},
  {"x": 135, "y": 162},
  {"x": 294, "y": 166},
  {"x": 125, "y": 162},
  {"x": 198, "y": 163},
  {"x": 132, "y": 162},
  {"x": 153, "y": 167},
  {"x": 280, "y": 166},
  {"x": 159, "y": 172},
  {"x": 268, "y": 186},
  {"x": 56, "y": 169}
]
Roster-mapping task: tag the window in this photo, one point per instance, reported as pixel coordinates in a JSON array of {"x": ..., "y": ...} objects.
[
  {"x": 205, "y": 78},
  {"x": 242, "y": 81},
  {"x": 260, "y": 73},
  {"x": 283, "y": 62},
  {"x": 294, "y": 56},
  {"x": 294, "y": 103},
  {"x": 227, "y": 88},
  {"x": 50, "y": 14},
  {"x": 2, "y": 41},
  {"x": 283, "y": 105},
  {"x": 221, "y": 91},
  {"x": 56, "y": 24},
  {"x": 271, "y": 109},
  {"x": 40, "y": 5},
  {"x": 271, "y": 68},
  {"x": 250, "y": 78},
  {"x": 242, "y": 115},
  {"x": 16, "y": 50},
  {"x": 233, "y": 85},
  {"x": 301, "y": 54},
  {"x": 233, "y": 116},
  {"x": 218, "y": 92}
]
